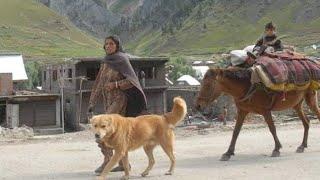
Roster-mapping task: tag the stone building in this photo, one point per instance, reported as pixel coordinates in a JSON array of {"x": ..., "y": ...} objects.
[{"x": 75, "y": 78}]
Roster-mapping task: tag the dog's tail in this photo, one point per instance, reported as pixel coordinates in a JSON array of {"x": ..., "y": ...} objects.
[{"x": 178, "y": 111}]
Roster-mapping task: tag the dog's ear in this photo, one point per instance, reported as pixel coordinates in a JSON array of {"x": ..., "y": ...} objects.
[
  {"x": 91, "y": 119},
  {"x": 105, "y": 119},
  {"x": 110, "y": 121}
]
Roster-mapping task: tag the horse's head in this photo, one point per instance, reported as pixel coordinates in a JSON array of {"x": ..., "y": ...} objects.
[
  {"x": 233, "y": 81},
  {"x": 210, "y": 89}
]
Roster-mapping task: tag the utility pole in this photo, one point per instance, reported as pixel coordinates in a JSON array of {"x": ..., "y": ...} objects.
[
  {"x": 82, "y": 78},
  {"x": 62, "y": 97}
]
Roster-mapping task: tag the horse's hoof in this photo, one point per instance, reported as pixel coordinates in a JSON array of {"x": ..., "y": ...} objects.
[
  {"x": 275, "y": 154},
  {"x": 144, "y": 174},
  {"x": 225, "y": 157},
  {"x": 168, "y": 173},
  {"x": 300, "y": 149}
]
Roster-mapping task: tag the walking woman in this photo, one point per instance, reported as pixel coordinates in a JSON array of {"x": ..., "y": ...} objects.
[{"x": 118, "y": 87}]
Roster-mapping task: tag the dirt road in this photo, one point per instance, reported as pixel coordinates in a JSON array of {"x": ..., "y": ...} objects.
[{"x": 75, "y": 156}]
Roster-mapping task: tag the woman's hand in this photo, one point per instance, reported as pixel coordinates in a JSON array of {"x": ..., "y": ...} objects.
[{"x": 111, "y": 86}]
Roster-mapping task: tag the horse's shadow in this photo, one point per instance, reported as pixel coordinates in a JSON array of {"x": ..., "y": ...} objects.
[
  {"x": 238, "y": 160},
  {"x": 186, "y": 163}
]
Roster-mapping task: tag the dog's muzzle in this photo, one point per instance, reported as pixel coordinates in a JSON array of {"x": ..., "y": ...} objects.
[{"x": 98, "y": 139}]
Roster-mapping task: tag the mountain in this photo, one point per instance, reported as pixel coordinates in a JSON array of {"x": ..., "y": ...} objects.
[
  {"x": 91, "y": 16},
  {"x": 190, "y": 27},
  {"x": 37, "y": 32},
  {"x": 217, "y": 26}
]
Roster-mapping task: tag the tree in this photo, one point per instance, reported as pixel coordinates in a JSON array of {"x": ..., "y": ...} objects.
[
  {"x": 180, "y": 68},
  {"x": 33, "y": 71}
]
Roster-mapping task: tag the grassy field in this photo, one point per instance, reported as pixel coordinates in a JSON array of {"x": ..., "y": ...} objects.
[
  {"x": 37, "y": 32},
  {"x": 228, "y": 28}
]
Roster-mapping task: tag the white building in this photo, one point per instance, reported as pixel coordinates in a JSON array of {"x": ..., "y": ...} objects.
[
  {"x": 188, "y": 80},
  {"x": 13, "y": 63}
]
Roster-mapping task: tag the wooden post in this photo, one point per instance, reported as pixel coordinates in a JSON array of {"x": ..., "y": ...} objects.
[
  {"x": 80, "y": 99},
  {"x": 62, "y": 98},
  {"x": 80, "y": 105}
]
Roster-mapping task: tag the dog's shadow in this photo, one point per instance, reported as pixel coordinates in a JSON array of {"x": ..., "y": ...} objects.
[{"x": 83, "y": 175}]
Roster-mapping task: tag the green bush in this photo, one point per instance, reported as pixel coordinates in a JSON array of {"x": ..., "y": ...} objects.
[
  {"x": 33, "y": 70},
  {"x": 180, "y": 67}
]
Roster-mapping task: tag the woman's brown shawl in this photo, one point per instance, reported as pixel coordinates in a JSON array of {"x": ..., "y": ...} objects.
[{"x": 137, "y": 101}]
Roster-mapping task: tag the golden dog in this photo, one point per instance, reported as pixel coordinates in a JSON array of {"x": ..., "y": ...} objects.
[{"x": 126, "y": 134}]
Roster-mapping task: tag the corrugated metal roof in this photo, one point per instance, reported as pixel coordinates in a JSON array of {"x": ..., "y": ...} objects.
[
  {"x": 189, "y": 79},
  {"x": 13, "y": 63},
  {"x": 76, "y": 60}
]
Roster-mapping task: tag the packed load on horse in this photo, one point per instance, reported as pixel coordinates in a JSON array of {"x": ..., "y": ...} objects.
[{"x": 275, "y": 66}]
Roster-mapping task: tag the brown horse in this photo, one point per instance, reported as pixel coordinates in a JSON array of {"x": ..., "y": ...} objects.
[{"x": 236, "y": 82}]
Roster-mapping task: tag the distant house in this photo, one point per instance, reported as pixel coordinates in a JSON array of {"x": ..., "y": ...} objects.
[
  {"x": 77, "y": 77},
  {"x": 36, "y": 110},
  {"x": 187, "y": 80},
  {"x": 189, "y": 93},
  {"x": 201, "y": 67},
  {"x": 187, "y": 87},
  {"x": 17, "y": 108}
]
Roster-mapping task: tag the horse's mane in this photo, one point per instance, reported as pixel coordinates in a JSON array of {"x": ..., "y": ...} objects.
[{"x": 237, "y": 74}]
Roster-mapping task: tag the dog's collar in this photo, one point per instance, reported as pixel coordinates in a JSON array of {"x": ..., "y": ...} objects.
[{"x": 109, "y": 137}]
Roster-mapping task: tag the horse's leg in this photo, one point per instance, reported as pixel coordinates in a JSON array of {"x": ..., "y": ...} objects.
[
  {"x": 272, "y": 128},
  {"x": 312, "y": 101},
  {"x": 305, "y": 120},
  {"x": 240, "y": 118}
]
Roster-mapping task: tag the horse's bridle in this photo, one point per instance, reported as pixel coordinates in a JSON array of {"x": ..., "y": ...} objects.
[{"x": 207, "y": 97}]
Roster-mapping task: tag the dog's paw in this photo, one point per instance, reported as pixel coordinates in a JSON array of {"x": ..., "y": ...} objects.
[
  {"x": 124, "y": 177},
  {"x": 168, "y": 173}
]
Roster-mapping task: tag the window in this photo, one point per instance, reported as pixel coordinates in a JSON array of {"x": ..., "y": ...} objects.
[
  {"x": 44, "y": 75},
  {"x": 150, "y": 72},
  {"x": 2, "y": 113},
  {"x": 92, "y": 73},
  {"x": 70, "y": 75},
  {"x": 54, "y": 75}
]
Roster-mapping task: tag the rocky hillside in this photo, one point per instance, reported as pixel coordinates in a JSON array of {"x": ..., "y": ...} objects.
[
  {"x": 191, "y": 27},
  {"x": 91, "y": 16}
]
